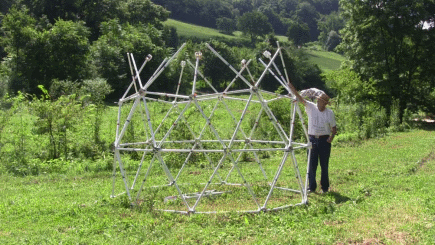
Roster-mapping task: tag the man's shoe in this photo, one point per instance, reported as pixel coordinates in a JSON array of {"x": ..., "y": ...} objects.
[{"x": 324, "y": 191}]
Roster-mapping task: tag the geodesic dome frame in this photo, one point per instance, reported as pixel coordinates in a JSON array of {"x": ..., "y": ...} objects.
[{"x": 160, "y": 137}]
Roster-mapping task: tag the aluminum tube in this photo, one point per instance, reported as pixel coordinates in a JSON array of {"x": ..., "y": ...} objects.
[
  {"x": 203, "y": 77},
  {"x": 237, "y": 75}
]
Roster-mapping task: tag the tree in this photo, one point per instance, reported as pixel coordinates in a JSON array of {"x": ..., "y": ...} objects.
[
  {"x": 346, "y": 86},
  {"x": 301, "y": 71},
  {"x": 42, "y": 53},
  {"x": 141, "y": 11},
  {"x": 308, "y": 14},
  {"x": 94, "y": 12},
  {"x": 288, "y": 7},
  {"x": 18, "y": 30},
  {"x": 54, "y": 9},
  {"x": 254, "y": 24},
  {"x": 333, "y": 41},
  {"x": 243, "y": 6},
  {"x": 211, "y": 10},
  {"x": 109, "y": 52},
  {"x": 6, "y": 4},
  {"x": 4, "y": 7},
  {"x": 184, "y": 10},
  {"x": 325, "y": 7},
  {"x": 327, "y": 23},
  {"x": 299, "y": 33},
  {"x": 391, "y": 50},
  {"x": 67, "y": 48},
  {"x": 226, "y": 25},
  {"x": 170, "y": 36},
  {"x": 213, "y": 68},
  {"x": 275, "y": 20}
]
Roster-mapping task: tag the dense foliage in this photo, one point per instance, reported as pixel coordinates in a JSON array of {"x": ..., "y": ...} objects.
[
  {"x": 59, "y": 67},
  {"x": 390, "y": 46},
  {"x": 312, "y": 14},
  {"x": 37, "y": 36}
]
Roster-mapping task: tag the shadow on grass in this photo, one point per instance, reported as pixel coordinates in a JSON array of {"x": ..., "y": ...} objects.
[
  {"x": 428, "y": 126},
  {"x": 338, "y": 197}
]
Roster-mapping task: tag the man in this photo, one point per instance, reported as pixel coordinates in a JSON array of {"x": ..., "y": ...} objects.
[{"x": 321, "y": 131}]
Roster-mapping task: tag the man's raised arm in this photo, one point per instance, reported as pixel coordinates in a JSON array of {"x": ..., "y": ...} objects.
[{"x": 295, "y": 92}]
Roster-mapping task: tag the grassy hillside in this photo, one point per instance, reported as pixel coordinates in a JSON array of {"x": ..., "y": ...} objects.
[
  {"x": 189, "y": 30},
  {"x": 325, "y": 60}
]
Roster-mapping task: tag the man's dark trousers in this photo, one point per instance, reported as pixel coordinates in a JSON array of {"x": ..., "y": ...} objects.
[{"x": 321, "y": 150}]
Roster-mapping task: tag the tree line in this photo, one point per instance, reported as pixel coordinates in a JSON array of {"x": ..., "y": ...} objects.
[
  {"x": 300, "y": 20},
  {"x": 389, "y": 43},
  {"x": 48, "y": 41}
]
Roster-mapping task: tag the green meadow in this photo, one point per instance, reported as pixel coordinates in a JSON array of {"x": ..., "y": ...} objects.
[
  {"x": 190, "y": 30},
  {"x": 381, "y": 193},
  {"x": 325, "y": 60}
]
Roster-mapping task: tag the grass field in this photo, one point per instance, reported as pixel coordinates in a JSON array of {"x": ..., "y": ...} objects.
[
  {"x": 190, "y": 30},
  {"x": 325, "y": 60},
  {"x": 204, "y": 33},
  {"x": 381, "y": 193}
]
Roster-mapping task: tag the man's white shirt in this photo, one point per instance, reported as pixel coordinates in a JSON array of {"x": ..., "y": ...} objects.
[{"x": 319, "y": 122}]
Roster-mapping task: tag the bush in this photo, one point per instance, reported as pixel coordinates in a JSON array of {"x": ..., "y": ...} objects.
[{"x": 361, "y": 120}]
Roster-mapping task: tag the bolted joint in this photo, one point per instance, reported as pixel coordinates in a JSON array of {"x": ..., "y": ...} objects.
[
  {"x": 142, "y": 92},
  {"x": 243, "y": 63},
  {"x": 149, "y": 57},
  {"x": 267, "y": 54},
  {"x": 254, "y": 89},
  {"x": 156, "y": 149},
  {"x": 198, "y": 55},
  {"x": 310, "y": 145},
  {"x": 183, "y": 63},
  {"x": 247, "y": 140}
]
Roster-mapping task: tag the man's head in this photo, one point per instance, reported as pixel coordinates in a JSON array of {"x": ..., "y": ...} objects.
[{"x": 322, "y": 101}]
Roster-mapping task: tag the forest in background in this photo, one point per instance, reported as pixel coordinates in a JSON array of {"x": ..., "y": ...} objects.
[
  {"x": 71, "y": 55},
  {"x": 300, "y": 20},
  {"x": 95, "y": 36}
]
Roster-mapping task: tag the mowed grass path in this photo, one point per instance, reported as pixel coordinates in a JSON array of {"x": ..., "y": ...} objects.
[{"x": 382, "y": 192}]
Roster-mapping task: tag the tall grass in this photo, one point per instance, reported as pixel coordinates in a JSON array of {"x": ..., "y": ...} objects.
[{"x": 69, "y": 134}]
